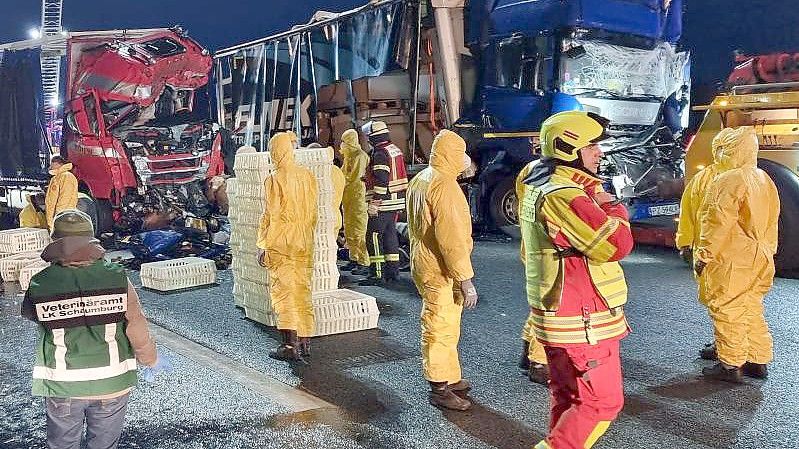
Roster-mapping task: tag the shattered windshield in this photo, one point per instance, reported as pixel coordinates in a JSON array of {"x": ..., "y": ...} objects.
[{"x": 601, "y": 70}]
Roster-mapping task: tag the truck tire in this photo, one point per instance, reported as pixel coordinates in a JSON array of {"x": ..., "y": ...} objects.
[
  {"x": 504, "y": 207},
  {"x": 787, "y": 257},
  {"x": 105, "y": 216}
]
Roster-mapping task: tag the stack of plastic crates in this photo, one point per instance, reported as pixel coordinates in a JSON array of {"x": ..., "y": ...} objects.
[
  {"x": 247, "y": 204},
  {"x": 10, "y": 265},
  {"x": 178, "y": 274},
  {"x": 22, "y": 240},
  {"x": 28, "y": 271}
]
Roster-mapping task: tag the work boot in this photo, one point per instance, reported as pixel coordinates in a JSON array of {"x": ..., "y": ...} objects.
[
  {"x": 524, "y": 361},
  {"x": 360, "y": 270},
  {"x": 538, "y": 373},
  {"x": 722, "y": 372},
  {"x": 288, "y": 350},
  {"x": 462, "y": 385},
  {"x": 442, "y": 396},
  {"x": 305, "y": 346},
  {"x": 755, "y": 370},
  {"x": 709, "y": 352}
]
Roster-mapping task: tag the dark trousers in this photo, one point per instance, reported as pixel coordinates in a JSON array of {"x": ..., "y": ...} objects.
[
  {"x": 382, "y": 242},
  {"x": 103, "y": 420}
]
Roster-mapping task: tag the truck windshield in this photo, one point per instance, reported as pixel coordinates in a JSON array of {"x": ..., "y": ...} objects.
[
  {"x": 601, "y": 70},
  {"x": 524, "y": 63}
]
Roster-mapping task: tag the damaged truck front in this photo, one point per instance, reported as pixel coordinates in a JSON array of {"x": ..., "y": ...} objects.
[{"x": 136, "y": 130}]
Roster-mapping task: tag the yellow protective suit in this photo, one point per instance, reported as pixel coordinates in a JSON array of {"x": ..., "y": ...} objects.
[
  {"x": 286, "y": 234},
  {"x": 354, "y": 201},
  {"x": 535, "y": 352},
  {"x": 29, "y": 217},
  {"x": 62, "y": 192},
  {"x": 738, "y": 240},
  {"x": 339, "y": 181},
  {"x": 687, "y": 235},
  {"x": 440, "y": 230}
]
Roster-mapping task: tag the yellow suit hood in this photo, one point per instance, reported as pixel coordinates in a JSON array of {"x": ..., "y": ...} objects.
[
  {"x": 448, "y": 154},
  {"x": 350, "y": 146},
  {"x": 62, "y": 169},
  {"x": 282, "y": 150},
  {"x": 735, "y": 148}
]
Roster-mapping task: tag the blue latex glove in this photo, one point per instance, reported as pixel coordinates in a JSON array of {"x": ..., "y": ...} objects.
[{"x": 162, "y": 365}]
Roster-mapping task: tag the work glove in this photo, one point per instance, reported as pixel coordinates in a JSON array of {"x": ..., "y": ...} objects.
[
  {"x": 372, "y": 209},
  {"x": 162, "y": 365},
  {"x": 469, "y": 294},
  {"x": 699, "y": 267}
]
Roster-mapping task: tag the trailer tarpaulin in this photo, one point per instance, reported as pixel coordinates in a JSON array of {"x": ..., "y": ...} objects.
[
  {"x": 272, "y": 85},
  {"x": 20, "y": 120}
]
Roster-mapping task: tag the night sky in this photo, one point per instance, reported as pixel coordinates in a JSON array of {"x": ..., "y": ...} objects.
[{"x": 713, "y": 28}]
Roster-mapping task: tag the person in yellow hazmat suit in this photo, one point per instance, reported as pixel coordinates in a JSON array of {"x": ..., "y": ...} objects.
[
  {"x": 286, "y": 243},
  {"x": 339, "y": 182},
  {"x": 735, "y": 258},
  {"x": 533, "y": 359},
  {"x": 33, "y": 215},
  {"x": 688, "y": 226},
  {"x": 354, "y": 202},
  {"x": 440, "y": 229},
  {"x": 62, "y": 192}
]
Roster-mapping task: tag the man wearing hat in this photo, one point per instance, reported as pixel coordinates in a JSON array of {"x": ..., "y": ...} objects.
[
  {"x": 92, "y": 333},
  {"x": 386, "y": 183},
  {"x": 574, "y": 234}
]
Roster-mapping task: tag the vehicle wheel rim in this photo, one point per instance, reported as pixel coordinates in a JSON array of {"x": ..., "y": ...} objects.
[{"x": 510, "y": 207}]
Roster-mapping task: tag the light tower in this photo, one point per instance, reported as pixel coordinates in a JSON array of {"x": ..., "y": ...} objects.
[{"x": 51, "y": 65}]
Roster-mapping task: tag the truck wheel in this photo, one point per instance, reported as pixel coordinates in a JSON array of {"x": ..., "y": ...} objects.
[
  {"x": 105, "y": 216},
  {"x": 504, "y": 207},
  {"x": 787, "y": 257}
]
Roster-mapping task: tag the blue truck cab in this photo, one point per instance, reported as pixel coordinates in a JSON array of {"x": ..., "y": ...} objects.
[{"x": 618, "y": 58}]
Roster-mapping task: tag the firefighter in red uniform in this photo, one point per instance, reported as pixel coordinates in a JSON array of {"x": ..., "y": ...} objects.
[
  {"x": 386, "y": 183},
  {"x": 574, "y": 235}
]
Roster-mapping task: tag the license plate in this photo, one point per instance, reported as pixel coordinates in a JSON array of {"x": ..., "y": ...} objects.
[{"x": 665, "y": 209}]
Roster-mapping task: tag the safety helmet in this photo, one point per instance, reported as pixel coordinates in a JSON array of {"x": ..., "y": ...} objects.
[
  {"x": 374, "y": 128},
  {"x": 565, "y": 133}
]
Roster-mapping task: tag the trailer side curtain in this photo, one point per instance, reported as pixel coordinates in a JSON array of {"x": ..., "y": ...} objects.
[{"x": 20, "y": 115}]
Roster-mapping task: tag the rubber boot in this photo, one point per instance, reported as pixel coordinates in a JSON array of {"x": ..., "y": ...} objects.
[
  {"x": 538, "y": 373},
  {"x": 722, "y": 372},
  {"x": 755, "y": 370},
  {"x": 305, "y": 346},
  {"x": 287, "y": 351},
  {"x": 524, "y": 361},
  {"x": 360, "y": 270},
  {"x": 709, "y": 352},
  {"x": 462, "y": 385},
  {"x": 442, "y": 396}
]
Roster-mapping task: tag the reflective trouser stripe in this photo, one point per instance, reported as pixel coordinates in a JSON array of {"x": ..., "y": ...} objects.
[
  {"x": 392, "y": 258},
  {"x": 598, "y": 431},
  {"x": 377, "y": 259}
]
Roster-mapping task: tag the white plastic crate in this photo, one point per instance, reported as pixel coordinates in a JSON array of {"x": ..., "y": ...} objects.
[
  {"x": 11, "y": 265},
  {"x": 177, "y": 274},
  {"x": 325, "y": 277},
  {"x": 340, "y": 311},
  {"x": 23, "y": 240},
  {"x": 30, "y": 270}
]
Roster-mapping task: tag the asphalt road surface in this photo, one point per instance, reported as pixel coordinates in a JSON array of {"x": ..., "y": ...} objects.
[{"x": 365, "y": 389}]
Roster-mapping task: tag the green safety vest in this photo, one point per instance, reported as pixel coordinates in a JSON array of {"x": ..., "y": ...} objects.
[{"x": 82, "y": 348}]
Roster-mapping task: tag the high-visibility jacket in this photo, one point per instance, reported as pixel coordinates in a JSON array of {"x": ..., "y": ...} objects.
[
  {"x": 386, "y": 178},
  {"x": 575, "y": 285},
  {"x": 83, "y": 349}
]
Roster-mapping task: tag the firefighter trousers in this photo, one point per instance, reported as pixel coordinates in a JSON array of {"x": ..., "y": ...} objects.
[
  {"x": 382, "y": 242},
  {"x": 586, "y": 394}
]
